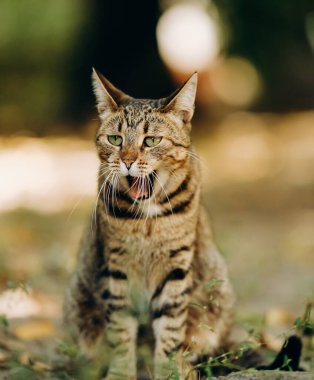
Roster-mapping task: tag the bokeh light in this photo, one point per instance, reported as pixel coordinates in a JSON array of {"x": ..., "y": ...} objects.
[
  {"x": 188, "y": 38},
  {"x": 236, "y": 82}
]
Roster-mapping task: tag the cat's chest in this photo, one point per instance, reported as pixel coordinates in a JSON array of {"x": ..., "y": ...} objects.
[
  {"x": 142, "y": 257},
  {"x": 145, "y": 263}
]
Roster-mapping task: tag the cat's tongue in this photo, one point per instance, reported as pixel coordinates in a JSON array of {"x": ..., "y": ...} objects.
[{"x": 139, "y": 187}]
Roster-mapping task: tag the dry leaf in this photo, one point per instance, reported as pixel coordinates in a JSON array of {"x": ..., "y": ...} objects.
[
  {"x": 35, "y": 330},
  {"x": 25, "y": 358},
  {"x": 279, "y": 317},
  {"x": 4, "y": 357},
  {"x": 41, "y": 367},
  {"x": 272, "y": 341}
]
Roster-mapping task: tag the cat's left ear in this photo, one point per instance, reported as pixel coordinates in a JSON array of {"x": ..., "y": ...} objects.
[{"x": 182, "y": 102}]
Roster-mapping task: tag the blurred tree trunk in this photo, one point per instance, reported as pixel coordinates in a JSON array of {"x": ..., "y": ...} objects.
[{"x": 119, "y": 39}]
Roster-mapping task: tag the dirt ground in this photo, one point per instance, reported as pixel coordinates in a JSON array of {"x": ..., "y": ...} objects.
[{"x": 258, "y": 188}]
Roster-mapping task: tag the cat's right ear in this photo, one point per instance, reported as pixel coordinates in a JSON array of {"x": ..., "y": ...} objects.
[{"x": 108, "y": 97}]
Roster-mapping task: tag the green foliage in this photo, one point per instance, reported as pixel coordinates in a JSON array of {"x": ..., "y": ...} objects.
[
  {"x": 211, "y": 284},
  {"x": 87, "y": 371},
  {"x": 286, "y": 366},
  {"x": 174, "y": 375},
  {"x": 208, "y": 372},
  {"x": 4, "y": 323},
  {"x": 68, "y": 349},
  {"x": 36, "y": 39},
  {"x": 22, "y": 373},
  {"x": 25, "y": 286},
  {"x": 174, "y": 370},
  {"x": 26, "y": 26},
  {"x": 305, "y": 324}
]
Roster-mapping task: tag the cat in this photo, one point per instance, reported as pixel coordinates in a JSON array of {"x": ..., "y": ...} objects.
[{"x": 149, "y": 247}]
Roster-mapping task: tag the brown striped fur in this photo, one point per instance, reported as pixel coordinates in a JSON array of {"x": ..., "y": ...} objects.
[{"x": 154, "y": 255}]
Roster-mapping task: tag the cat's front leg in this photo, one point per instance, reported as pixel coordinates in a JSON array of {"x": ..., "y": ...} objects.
[
  {"x": 121, "y": 337},
  {"x": 121, "y": 330},
  {"x": 169, "y": 313}
]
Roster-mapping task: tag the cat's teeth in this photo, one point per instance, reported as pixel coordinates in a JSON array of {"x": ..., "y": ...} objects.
[{"x": 139, "y": 188}]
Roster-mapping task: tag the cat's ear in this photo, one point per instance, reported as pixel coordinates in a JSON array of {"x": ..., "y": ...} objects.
[
  {"x": 182, "y": 102},
  {"x": 108, "y": 97}
]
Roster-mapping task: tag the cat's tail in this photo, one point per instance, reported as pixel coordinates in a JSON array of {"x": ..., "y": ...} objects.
[{"x": 288, "y": 359}]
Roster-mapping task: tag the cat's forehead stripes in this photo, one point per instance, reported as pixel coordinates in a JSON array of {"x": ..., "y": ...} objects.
[
  {"x": 134, "y": 131},
  {"x": 136, "y": 111}
]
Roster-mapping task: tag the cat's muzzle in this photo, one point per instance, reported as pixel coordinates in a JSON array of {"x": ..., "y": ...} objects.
[{"x": 141, "y": 188}]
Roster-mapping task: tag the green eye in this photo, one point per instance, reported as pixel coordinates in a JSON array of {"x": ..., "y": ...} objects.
[
  {"x": 152, "y": 141},
  {"x": 115, "y": 140}
]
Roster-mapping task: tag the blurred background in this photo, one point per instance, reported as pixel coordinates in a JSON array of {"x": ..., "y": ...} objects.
[{"x": 254, "y": 131}]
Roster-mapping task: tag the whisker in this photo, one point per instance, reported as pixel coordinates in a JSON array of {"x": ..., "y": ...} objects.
[
  {"x": 197, "y": 158},
  {"x": 134, "y": 202},
  {"x": 150, "y": 190},
  {"x": 116, "y": 182},
  {"x": 144, "y": 178},
  {"x": 155, "y": 199},
  {"x": 94, "y": 215},
  {"x": 163, "y": 189},
  {"x": 139, "y": 189},
  {"x": 168, "y": 200},
  {"x": 112, "y": 196},
  {"x": 73, "y": 209}
]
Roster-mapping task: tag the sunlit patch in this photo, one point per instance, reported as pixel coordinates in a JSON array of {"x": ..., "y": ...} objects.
[
  {"x": 46, "y": 175},
  {"x": 22, "y": 303},
  {"x": 17, "y": 304},
  {"x": 188, "y": 38},
  {"x": 37, "y": 329}
]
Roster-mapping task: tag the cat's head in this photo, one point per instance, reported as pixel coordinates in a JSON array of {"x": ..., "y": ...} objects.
[{"x": 143, "y": 143}]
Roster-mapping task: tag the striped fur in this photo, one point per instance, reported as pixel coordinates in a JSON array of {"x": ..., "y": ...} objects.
[{"x": 154, "y": 255}]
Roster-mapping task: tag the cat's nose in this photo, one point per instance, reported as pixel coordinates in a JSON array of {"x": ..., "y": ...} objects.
[
  {"x": 128, "y": 157},
  {"x": 128, "y": 163}
]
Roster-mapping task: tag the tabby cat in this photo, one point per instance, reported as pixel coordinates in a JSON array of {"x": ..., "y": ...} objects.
[{"x": 149, "y": 248}]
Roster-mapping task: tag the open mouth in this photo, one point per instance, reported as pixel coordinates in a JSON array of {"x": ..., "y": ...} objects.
[{"x": 141, "y": 187}]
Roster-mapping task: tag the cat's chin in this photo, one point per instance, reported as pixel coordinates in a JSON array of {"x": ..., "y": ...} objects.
[{"x": 141, "y": 188}]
